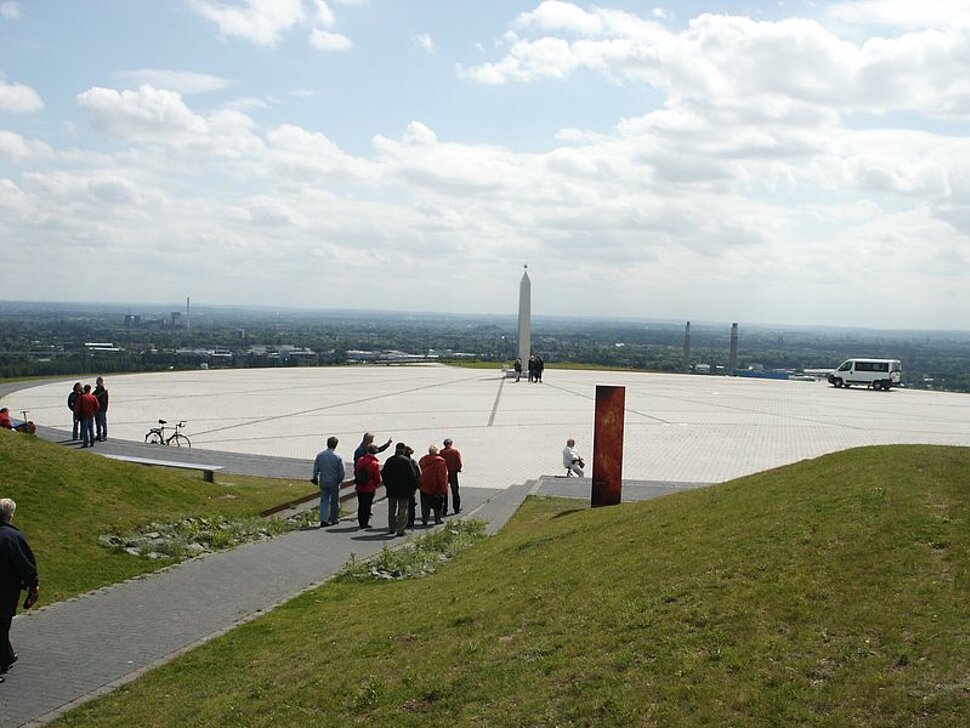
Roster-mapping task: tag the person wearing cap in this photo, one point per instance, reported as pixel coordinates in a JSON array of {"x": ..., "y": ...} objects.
[
  {"x": 399, "y": 484},
  {"x": 18, "y": 571}
]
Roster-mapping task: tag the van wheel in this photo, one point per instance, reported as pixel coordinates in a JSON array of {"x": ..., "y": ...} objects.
[{"x": 837, "y": 382}]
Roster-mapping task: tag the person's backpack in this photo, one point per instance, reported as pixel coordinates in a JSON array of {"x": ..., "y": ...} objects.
[{"x": 360, "y": 474}]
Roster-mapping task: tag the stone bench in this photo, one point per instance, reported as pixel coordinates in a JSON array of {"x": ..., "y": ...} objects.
[{"x": 208, "y": 471}]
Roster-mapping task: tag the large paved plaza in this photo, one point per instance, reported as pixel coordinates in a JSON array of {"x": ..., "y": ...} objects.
[{"x": 679, "y": 428}]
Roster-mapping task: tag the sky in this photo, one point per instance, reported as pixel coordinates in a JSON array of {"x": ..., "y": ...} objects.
[{"x": 799, "y": 162}]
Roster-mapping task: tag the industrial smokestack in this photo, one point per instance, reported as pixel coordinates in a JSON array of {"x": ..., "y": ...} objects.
[
  {"x": 733, "y": 358},
  {"x": 687, "y": 347}
]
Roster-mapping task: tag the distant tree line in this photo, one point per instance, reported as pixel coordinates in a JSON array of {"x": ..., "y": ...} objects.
[{"x": 39, "y": 340}]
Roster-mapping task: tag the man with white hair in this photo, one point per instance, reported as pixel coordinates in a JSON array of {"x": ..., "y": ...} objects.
[
  {"x": 571, "y": 459},
  {"x": 18, "y": 571}
]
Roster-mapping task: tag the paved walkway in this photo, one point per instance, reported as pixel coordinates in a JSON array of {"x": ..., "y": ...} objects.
[{"x": 76, "y": 650}]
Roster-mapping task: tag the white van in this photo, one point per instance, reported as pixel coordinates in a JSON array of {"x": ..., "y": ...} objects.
[{"x": 875, "y": 373}]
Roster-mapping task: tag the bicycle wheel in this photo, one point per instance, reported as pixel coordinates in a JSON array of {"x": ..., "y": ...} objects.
[
  {"x": 154, "y": 437},
  {"x": 180, "y": 440}
]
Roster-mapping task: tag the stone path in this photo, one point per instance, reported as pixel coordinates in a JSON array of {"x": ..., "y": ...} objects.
[{"x": 76, "y": 650}]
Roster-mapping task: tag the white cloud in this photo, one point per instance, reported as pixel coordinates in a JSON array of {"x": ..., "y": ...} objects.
[
  {"x": 10, "y": 10},
  {"x": 295, "y": 150},
  {"x": 732, "y": 62},
  {"x": 324, "y": 15},
  {"x": 423, "y": 41},
  {"x": 145, "y": 113},
  {"x": 18, "y": 148},
  {"x": 259, "y": 21},
  {"x": 185, "y": 82},
  {"x": 904, "y": 14},
  {"x": 327, "y": 41},
  {"x": 161, "y": 117},
  {"x": 19, "y": 98}
]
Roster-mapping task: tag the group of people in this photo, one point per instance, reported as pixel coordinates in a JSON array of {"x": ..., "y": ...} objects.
[
  {"x": 18, "y": 572},
  {"x": 432, "y": 477},
  {"x": 535, "y": 367},
  {"x": 90, "y": 409}
]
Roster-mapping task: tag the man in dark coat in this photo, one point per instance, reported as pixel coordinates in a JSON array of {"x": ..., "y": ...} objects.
[
  {"x": 399, "y": 484},
  {"x": 18, "y": 571},
  {"x": 101, "y": 416}
]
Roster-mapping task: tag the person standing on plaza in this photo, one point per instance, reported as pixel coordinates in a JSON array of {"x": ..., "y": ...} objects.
[
  {"x": 434, "y": 484},
  {"x": 101, "y": 416},
  {"x": 367, "y": 479},
  {"x": 540, "y": 367},
  {"x": 518, "y": 368},
  {"x": 85, "y": 408},
  {"x": 400, "y": 484},
  {"x": 453, "y": 461},
  {"x": 71, "y": 401},
  {"x": 18, "y": 571},
  {"x": 328, "y": 473},
  {"x": 365, "y": 443},
  {"x": 532, "y": 368}
]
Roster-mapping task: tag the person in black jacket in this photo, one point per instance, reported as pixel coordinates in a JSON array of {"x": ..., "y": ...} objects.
[
  {"x": 71, "y": 401},
  {"x": 18, "y": 571},
  {"x": 399, "y": 484},
  {"x": 101, "y": 416}
]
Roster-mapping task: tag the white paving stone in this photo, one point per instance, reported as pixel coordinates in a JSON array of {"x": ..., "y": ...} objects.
[{"x": 678, "y": 428}]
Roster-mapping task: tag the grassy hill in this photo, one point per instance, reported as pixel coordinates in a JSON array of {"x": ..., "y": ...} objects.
[
  {"x": 66, "y": 498},
  {"x": 830, "y": 592}
]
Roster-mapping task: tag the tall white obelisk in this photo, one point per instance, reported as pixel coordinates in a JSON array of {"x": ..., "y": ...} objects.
[{"x": 525, "y": 317}]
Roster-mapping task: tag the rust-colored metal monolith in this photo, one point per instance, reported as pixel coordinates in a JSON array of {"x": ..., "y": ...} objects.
[{"x": 608, "y": 445}]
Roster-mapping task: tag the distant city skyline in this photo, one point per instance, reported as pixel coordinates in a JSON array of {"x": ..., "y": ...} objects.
[{"x": 797, "y": 163}]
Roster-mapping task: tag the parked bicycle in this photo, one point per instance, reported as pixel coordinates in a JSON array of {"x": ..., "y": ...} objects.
[{"x": 156, "y": 435}]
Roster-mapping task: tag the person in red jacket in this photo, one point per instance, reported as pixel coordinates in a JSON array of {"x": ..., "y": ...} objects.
[
  {"x": 85, "y": 408},
  {"x": 367, "y": 479},
  {"x": 434, "y": 484},
  {"x": 453, "y": 460}
]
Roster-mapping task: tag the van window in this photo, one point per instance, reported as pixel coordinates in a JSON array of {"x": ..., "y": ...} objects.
[{"x": 846, "y": 366}]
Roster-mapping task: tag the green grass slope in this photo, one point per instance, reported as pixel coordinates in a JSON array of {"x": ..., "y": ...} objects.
[
  {"x": 831, "y": 592},
  {"x": 67, "y": 498}
]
